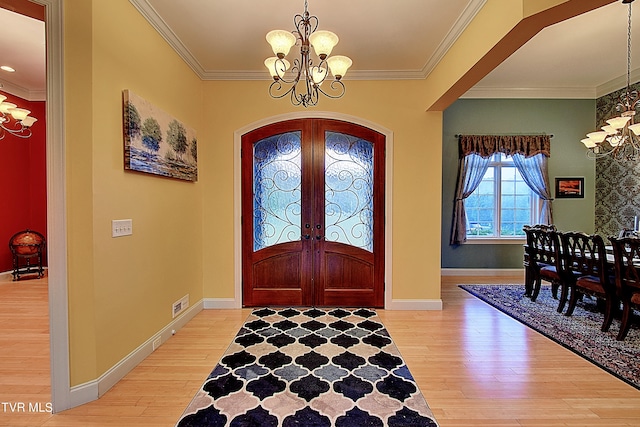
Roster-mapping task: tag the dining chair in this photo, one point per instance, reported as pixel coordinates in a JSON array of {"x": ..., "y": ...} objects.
[
  {"x": 586, "y": 259},
  {"x": 626, "y": 259},
  {"x": 542, "y": 258}
]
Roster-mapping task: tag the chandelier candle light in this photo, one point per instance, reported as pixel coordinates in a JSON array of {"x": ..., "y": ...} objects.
[
  {"x": 619, "y": 139},
  {"x": 304, "y": 72},
  {"x": 16, "y": 121}
]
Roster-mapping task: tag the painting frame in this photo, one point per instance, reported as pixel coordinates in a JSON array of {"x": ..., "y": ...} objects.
[
  {"x": 155, "y": 142},
  {"x": 570, "y": 188}
]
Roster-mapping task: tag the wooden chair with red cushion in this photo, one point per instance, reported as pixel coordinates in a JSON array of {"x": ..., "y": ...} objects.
[
  {"x": 542, "y": 259},
  {"x": 626, "y": 255},
  {"x": 586, "y": 258}
]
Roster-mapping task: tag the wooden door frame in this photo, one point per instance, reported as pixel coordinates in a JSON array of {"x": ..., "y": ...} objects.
[{"x": 237, "y": 196}]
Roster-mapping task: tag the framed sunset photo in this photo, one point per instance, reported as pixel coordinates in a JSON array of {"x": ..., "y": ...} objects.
[{"x": 570, "y": 188}]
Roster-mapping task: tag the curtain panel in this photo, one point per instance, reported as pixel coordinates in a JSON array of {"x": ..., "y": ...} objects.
[
  {"x": 534, "y": 172},
  {"x": 471, "y": 171},
  {"x": 487, "y": 145}
]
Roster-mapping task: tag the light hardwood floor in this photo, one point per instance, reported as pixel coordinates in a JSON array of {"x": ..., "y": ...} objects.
[{"x": 474, "y": 365}]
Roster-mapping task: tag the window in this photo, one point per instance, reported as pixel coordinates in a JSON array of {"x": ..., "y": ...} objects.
[
  {"x": 497, "y": 213},
  {"x": 502, "y": 204}
]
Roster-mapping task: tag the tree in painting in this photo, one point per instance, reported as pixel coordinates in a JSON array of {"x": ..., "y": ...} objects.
[
  {"x": 194, "y": 149},
  {"x": 134, "y": 120},
  {"x": 151, "y": 134},
  {"x": 177, "y": 138}
]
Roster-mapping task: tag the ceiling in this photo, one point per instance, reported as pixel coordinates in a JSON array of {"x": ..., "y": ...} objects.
[
  {"x": 404, "y": 39},
  {"x": 26, "y": 54}
]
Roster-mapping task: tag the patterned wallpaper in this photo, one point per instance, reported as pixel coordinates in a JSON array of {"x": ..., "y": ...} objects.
[{"x": 617, "y": 182}]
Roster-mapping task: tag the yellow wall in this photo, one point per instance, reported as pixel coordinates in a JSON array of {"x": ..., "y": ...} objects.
[
  {"x": 395, "y": 105},
  {"x": 121, "y": 289},
  {"x": 78, "y": 150}
]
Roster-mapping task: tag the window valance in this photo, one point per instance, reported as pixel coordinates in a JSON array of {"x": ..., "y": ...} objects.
[{"x": 487, "y": 145}]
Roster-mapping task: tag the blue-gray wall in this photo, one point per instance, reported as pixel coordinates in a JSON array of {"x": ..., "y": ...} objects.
[{"x": 567, "y": 119}]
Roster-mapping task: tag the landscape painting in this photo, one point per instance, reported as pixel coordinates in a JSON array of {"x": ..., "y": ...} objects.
[
  {"x": 157, "y": 143},
  {"x": 570, "y": 188}
]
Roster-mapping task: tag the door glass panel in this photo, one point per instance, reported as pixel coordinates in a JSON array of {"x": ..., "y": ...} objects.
[
  {"x": 348, "y": 190},
  {"x": 277, "y": 180}
]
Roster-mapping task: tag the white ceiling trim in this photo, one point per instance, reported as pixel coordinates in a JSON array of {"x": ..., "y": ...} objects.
[
  {"x": 353, "y": 75},
  {"x": 552, "y": 92},
  {"x": 617, "y": 84},
  {"x": 151, "y": 15},
  {"x": 24, "y": 93},
  {"x": 460, "y": 25},
  {"x": 479, "y": 92}
]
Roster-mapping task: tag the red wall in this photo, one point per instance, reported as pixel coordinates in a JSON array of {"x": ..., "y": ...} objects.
[{"x": 23, "y": 181}]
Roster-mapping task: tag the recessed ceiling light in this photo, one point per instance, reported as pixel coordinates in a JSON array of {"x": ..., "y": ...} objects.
[{"x": 7, "y": 68}]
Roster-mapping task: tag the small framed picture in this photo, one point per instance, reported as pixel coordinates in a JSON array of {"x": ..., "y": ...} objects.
[{"x": 569, "y": 188}]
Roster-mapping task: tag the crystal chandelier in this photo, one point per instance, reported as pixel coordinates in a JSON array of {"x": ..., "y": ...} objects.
[
  {"x": 13, "y": 120},
  {"x": 619, "y": 139},
  {"x": 303, "y": 81}
]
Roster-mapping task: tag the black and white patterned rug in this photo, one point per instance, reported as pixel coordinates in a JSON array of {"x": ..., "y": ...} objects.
[
  {"x": 310, "y": 367},
  {"x": 579, "y": 333}
]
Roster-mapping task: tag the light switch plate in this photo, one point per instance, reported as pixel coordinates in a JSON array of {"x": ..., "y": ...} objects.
[{"x": 121, "y": 227}]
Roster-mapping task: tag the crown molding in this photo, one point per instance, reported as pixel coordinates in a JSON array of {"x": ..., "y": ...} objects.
[
  {"x": 21, "y": 92},
  {"x": 530, "y": 92},
  {"x": 458, "y": 28},
  {"x": 150, "y": 14},
  {"x": 472, "y": 9},
  {"x": 239, "y": 75},
  {"x": 618, "y": 83}
]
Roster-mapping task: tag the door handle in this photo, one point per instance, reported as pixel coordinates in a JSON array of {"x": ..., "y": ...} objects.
[
  {"x": 306, "y": 237},
  {"x": 318, "y": 237}
]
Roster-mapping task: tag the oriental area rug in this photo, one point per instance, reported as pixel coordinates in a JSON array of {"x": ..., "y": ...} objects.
[
  {"x": 310, "y": 367},
  {"x": 579, "y": 332}
]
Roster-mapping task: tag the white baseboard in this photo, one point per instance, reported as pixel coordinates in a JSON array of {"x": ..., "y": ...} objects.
[
  {"x": 414, "y": 304},
  {"x": 92, "y": 390},
  {"x": 8, "y": 275},
  {"x": 228, "y": 303},
  {"x": 82, "y": 393},
  {"x": 221, "y": 303},
  {"x": 499, "y": 272}
]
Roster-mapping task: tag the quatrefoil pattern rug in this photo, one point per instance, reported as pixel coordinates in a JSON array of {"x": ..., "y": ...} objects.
[{"x": 310, "y": 367}]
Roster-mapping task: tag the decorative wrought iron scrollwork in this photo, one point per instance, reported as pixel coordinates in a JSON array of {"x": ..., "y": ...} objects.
[
  {"x": 349, "y": 190},
  {"x": 277, "y": 188}
]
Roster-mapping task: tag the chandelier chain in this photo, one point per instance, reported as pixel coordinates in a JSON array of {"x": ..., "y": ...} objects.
[{"x": 629, "y": 49}]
